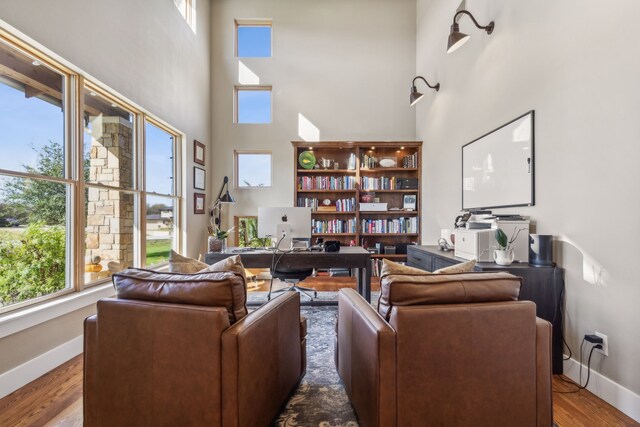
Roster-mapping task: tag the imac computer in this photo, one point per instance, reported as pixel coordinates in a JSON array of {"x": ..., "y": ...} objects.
[{"x": 284, "y": 225}]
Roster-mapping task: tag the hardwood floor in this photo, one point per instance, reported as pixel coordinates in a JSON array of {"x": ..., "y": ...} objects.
[{"x": 55, "y": 399}]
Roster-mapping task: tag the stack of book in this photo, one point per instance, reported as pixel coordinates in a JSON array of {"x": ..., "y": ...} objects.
[
  {"x": 383, "y": 183},
  {"x": 410, "y": 161},
  {"x": 326, "y": 183},
  {"x": 333, "y": 226},
  {"x": 396, "y": 226}
]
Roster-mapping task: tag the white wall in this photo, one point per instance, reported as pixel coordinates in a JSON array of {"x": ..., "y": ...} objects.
[
  {"x": 346, "y": 66},
  {"x": 576, "y": 64},
  {"x": 144, "y": 50}
]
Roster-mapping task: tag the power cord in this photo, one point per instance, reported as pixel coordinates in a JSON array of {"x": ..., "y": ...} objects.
[{"x": 579, "y": 384}]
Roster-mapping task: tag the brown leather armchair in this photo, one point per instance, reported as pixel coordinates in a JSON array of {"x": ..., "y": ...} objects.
[
  {"x": 445, "y": 350},
  {"x": 149, "y": 362}
]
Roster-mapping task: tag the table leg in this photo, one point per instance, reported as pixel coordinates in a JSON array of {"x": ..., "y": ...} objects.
[{"x": 366, "y": 272}]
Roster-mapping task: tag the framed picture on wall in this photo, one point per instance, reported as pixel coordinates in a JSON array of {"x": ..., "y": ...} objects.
[
  {"x": 198, "y": 152},
  {"x": 198, "y": 203},
  {"x": 199, "y": 178}
]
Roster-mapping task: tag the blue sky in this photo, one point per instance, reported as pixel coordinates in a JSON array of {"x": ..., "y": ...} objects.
[{"x": 254, "y": 42}]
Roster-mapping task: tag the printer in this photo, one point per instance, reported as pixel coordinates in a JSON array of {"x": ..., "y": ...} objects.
[{"x": 479, "y": 243}]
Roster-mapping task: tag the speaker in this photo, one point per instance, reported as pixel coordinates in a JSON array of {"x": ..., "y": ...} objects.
[
  {"x": 332, "y": 246},
  {"x": 407, "y": 183},
  {"x": 541, "y": 250}
]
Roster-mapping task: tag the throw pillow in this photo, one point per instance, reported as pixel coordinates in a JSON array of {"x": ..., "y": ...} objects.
[
  {"x": 390, "y": 267},
  {"x": 183, "y": 264},
  {"x": 232, "y": 263},
  {"x": 465, "y": 267}
]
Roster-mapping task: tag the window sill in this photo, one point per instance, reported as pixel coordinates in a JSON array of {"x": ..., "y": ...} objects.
[{"x": 28, "y": 317}]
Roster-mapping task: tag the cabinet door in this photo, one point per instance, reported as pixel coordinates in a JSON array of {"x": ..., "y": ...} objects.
[
  {"x": 419, "y": 259},
  {"x": 439, "y": 263}
]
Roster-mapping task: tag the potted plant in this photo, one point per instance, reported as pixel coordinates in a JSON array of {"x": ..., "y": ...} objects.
[
  {"x": 504, "y": 254},
  {"x": 217, "y": 241}
]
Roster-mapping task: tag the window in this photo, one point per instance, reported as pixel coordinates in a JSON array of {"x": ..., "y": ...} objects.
[
  {"x": 161, "y": 203},
  {"x": 253, "y": 169},
  {"x": 35, "y": 179},
  {"x": 253, "y": 39},
  {"x": 187, "y": 9},
  {"x": 253, "y": 104},
  {"x": 54, "y": 180}
]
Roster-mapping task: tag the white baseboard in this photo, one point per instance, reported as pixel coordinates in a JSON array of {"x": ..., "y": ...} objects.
[
  {"x": 611, "y": 392},
  {"x": 22, "y": 375}
]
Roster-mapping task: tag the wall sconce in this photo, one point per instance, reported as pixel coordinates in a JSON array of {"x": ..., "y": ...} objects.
[
  {"x": 215, "y": 211},
  {"x": 456, "y": 38},
  {"x": 417, "y": 96}
]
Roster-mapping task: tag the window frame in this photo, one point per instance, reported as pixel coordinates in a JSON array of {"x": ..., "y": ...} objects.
[
  {"x": 237, "y": 23},
  {"x": 75, "y": 85},
  {"x": 236, "y": 169},
  {"x": 246, "y": 88}
]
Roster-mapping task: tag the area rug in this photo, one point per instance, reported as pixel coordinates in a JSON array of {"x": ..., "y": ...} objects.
[{"x": 320, "y": 400}]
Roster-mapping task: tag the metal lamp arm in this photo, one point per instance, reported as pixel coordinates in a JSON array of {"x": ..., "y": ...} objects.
[
  {"x": 436, "y": 86},
  {"x": 488, "y": 28}
]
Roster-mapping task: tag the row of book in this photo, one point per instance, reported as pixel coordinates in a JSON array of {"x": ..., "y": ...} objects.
[
  {"x": 341, "y": 205},
  {"x": 326, "y": 183},
  {"x": 410, "y": 161},
  {"x": 333, "y": 226},
  {"x": 383, "y": 183},
  {"x": 368, "y": 162},
  {"x": 396, "y": 225}
]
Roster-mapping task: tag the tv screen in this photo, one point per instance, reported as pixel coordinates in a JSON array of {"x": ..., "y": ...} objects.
[{"x": 498, "y": 168}]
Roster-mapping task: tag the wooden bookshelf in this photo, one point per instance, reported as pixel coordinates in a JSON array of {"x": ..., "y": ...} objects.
[{"x": 340, "y": 151}]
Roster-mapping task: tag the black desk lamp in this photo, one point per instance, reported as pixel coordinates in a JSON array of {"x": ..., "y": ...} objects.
[{"x": 216, "y": 210}]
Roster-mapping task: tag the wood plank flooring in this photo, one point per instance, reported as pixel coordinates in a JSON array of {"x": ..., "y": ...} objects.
[{"x": 55, "y": 400}]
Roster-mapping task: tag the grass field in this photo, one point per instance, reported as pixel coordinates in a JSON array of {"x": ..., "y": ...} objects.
[{"x": 158, "y": 251}]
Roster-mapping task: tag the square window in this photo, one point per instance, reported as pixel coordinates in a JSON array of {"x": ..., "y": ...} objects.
[
  {"x": 253, "y": 169},
  {"x": 253, "y": 104},
  {"x": 253, "y": 39}
]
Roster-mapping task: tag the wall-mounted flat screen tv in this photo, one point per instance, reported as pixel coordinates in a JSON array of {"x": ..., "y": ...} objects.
[{"x": 498, "y": 168}]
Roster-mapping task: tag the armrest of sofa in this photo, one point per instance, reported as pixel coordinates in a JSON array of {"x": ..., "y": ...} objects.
[
  {"x": 544, "y": 394},
  {"x": 366, "y": 359},
  {"x": 261, "y": 362}
]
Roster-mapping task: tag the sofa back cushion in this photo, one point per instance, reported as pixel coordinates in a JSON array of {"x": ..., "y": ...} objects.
[
  {"x": 215, "y": 289},
  {"x": 459, "y": 288}
]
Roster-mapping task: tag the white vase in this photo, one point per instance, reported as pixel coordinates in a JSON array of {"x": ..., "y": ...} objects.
[{"x": 503, "y": 257}]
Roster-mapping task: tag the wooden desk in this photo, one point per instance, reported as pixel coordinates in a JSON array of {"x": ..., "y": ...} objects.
[
  {"x": 352, "y": 257},
  {"x": 542, "y": 285}
]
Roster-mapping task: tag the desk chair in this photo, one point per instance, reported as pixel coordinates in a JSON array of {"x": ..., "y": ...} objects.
[{"x": 293, "y": 276}]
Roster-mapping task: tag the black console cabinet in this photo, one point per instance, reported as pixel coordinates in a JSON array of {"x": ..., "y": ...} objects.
[{"x": 542, "y": 285}]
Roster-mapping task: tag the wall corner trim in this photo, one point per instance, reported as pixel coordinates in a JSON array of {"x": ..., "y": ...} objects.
[
  {"x": 22, "y": 375},
  {"x": 611, "y": 392}
]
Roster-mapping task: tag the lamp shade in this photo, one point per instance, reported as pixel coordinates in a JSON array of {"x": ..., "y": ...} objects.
[
  {"x": 414, "y": 97},
  {"x": 226, "y": 198},
  {"x": 456, "y": 38}
]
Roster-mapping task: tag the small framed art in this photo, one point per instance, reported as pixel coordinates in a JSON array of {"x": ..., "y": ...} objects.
[
  {"x": 199, "y": 178},
  {"x": 198, "y": 152},
  {"x": 409, "y": 202},
  {"x": 198, "y": 203}
]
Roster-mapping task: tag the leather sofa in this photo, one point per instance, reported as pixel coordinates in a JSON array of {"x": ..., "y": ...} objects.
[
  {"x": 445, "y": 350},
  {"x": 180, "y": 350}
]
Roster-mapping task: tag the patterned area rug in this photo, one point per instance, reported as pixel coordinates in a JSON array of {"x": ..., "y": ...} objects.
[{"x": 320, "y": 400}]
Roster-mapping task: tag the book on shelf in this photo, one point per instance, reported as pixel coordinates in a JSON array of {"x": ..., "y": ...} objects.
[
  {"x": 340, "y": 205},
  {"x": 382, "y": 183},
  {"x": 326, "y": 183},
  {"x": 390, "y": 226},
  {"x": 333, "y": 226},
  {"x": 410, "y": 161}
]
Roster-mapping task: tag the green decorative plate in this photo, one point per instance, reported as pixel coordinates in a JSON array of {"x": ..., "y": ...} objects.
[{"x": 307, "y": 159}]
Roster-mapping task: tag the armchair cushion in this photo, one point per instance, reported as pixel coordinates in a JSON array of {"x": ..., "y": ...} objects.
[
  {"x": 216, "y": 289},
  {"x": 182, "y": 264},
  {"x": 407, "y": 290}
]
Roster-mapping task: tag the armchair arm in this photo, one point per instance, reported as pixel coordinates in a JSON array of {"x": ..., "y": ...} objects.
[
  {"x": 261, "y": 362},
  {"x": 544, "y": 394},
  {"x": 366, "y": 359}
]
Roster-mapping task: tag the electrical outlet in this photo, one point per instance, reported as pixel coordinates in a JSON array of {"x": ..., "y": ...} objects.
[{"x": 605, "y": 344}]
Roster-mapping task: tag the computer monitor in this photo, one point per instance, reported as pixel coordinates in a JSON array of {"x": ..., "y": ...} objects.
[{"x": 293, "y": 223}]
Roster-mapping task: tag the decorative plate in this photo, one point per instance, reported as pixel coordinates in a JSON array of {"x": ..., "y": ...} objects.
[
  {"x": 387, "y": 163},
  {"x": 326, "y": 202},
  {"x": 307, "y": 159}
]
